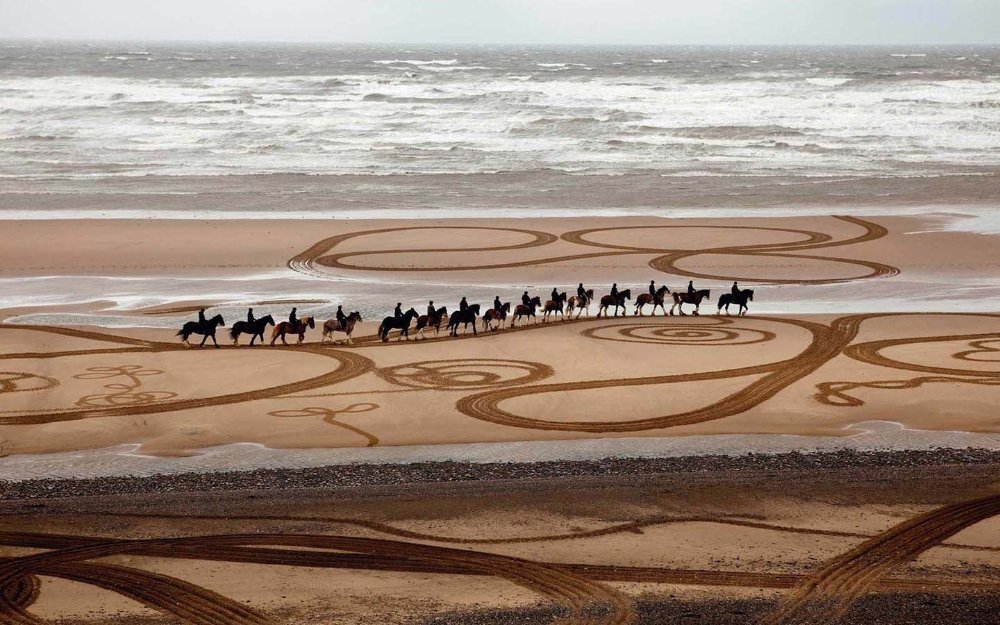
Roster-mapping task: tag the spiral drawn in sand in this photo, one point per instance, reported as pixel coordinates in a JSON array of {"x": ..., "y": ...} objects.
[
  {"x": 465, "y": 374},
  {"x": 330, "y": 416},
  {"x": 17, "y": 382},
  {"x": 837, "y": 393},
  {"x": 679, "y": 334},
  {"x": 123, "y": 393},
  {"x": 982, "y": 351},
  {"x": 321, "y": 257}
]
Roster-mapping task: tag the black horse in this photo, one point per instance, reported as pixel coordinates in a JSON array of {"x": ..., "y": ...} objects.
[
  {"x": 255, "y": 331},
  {"x": 465, "y": 317},
  {"x": 397, "y": 323},
  {"x": 746, "y": 295},
  {"x": 206, "y": 329}
]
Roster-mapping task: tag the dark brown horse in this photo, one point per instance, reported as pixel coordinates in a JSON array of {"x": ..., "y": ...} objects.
[
  {"x": 431, "y": 321},
  {"x": 332, "y": 325},
  {"x": 555, "y": 306},
  {"x": 463, "y": 317},
  {"x": 526, "y": 311},
  {"x": 206, "y": 330},
  {"x": 655, "y": 300},
  {"x": 496, "y": 316},
  {"x": 689, "y": 298},
  {"x": 397, "y": 323},
  {"x": 284, "y": 328},
  {"x": 255, "y": 331},
  {"x": 746, "y": 295},
  {"x": 580, "y": 303},
  {"x": 607, "y": 301}
]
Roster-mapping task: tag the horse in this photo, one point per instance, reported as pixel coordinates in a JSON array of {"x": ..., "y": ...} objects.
[
  {"x": 332, "y": 325},
  {"x": 397, "y": 323},
  {"x": 746, "y": 295},
  {"x": 655, "y": 300},
  {"x": 206, "y": 329},
  {"x": 580, "y": 303},
  {"x": 496, "y": 315},
  {"x": 554, "y": 306},
  {"x": 431, "y": 321},
  {"x": 689, "y": 298},
  {"x": 607, "y": 300},
  {"x": 526, "y": 311},
  {"x": 255, "y": 331},
  {"x": 285, "y": 327},
  {"x": 464, "y": 317}
]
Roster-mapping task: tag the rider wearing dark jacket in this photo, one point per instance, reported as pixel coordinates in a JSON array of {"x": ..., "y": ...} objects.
[
  {"x": 580, "y": 292},
  {"x": 497, "y": 304},
  {"x": 430, "y": 309},
  {"x": 614, "y": 291},
  {"x": 201, "y": 316},
  {"x": 250, "y": 318},
  {"x": 555, "y": 294},
  {"x": 292, "y": 319},
  {"x": 341, "y": 317},
  {"x": 398, "y": 313},
  {"x": 463, "y": 305},
  {"x": 652, "y": 287},
  {"x": 735, "y": 290},
  {"x": 525, "y": 299},
  {"x": 690, "y": 287}
]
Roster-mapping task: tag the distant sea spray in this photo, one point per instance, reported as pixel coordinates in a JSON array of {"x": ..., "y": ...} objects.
[{"x": 115, "y": 110}]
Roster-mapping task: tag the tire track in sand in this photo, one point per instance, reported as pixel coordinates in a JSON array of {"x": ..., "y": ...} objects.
[{"x": 827, "y": 594}]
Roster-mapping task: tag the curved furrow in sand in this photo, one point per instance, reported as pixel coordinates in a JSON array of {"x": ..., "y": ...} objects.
[{"x": 827, "y": 594}]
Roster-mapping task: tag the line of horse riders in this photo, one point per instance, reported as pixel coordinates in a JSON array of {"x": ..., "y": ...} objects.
[{"x": 494, "y": 318}]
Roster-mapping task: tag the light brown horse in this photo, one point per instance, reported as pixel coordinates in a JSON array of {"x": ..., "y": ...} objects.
[
  {"x": 689, "y": 298},
  {"x": 526, "y": 311},
  {"x": 332, "y": 325},
  {"x": 580, "y": 303},
  {"x": 284, "y": 328},
  {"x": 655, "y": 299},
  {"x": 555, "y": 306},
  {"x": 607, "y": 301},
  {"x": 496, "y": 316},
  {"x": 431, "y": 321}
]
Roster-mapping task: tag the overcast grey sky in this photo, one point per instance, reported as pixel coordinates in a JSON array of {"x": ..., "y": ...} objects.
[{"x": 511, "y": 21}]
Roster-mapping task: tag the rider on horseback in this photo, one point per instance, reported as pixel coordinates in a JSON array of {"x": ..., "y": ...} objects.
[
  {"x": 525, "y": 299},
  {"x": 430, "y": 310},
  {"x": 690, "y": 287},
  {"x": 614, "y": 292},
  {"x": 201, "y": 317},
  {"x": 735, "y": 290},
  {"x": 497, "y": 304},
  {"x": 580, "y": 292},
  {"x": 652, "y": 288},
  {"x": 555, "y": 295},
  {"x": 293, "y": 321},
  {"x": 398, "y": 313},
  {"x": 250, "y": 318},
  {"x": 463, "y": 305},
  {"x": 341, "y": 317}
]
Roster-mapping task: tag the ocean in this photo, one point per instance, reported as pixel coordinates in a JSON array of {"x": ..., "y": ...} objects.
[{"x": 75, "y": 111}]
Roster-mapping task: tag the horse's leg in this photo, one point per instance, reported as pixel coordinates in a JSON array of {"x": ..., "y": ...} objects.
[
  {"x": 213, "y": 341},
  {"x": 203, "y": 339}
]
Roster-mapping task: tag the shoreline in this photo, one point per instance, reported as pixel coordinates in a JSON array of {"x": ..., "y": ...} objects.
[{"x": 380, "y": 476}]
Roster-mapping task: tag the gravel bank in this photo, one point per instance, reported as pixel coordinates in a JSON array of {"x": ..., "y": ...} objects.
[{"x": 374, "y": 475}]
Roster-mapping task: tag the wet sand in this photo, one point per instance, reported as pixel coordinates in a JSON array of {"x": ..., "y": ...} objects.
[{"x": 873, "y": 538}]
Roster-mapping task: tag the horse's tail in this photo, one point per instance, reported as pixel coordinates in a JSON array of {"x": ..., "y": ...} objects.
[
  {"x": 234, "y": 331},
  {"x": 381, "y": 330}
]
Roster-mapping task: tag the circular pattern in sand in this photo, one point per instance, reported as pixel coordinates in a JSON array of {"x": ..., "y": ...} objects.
[
  {"x": 16, "y": 382},
  {"x": 465, "y": 374},
  {"x": 686, "y": 335}
]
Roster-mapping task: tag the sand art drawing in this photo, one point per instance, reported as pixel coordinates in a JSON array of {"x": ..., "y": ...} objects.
[
  {"x": 122, "y": 393},
  {"x": 321, "y": 257},
  {"x": 330, "y": 416},
  {"x": 16, "y": 382},
  {"x": 578, "y": 588}
]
